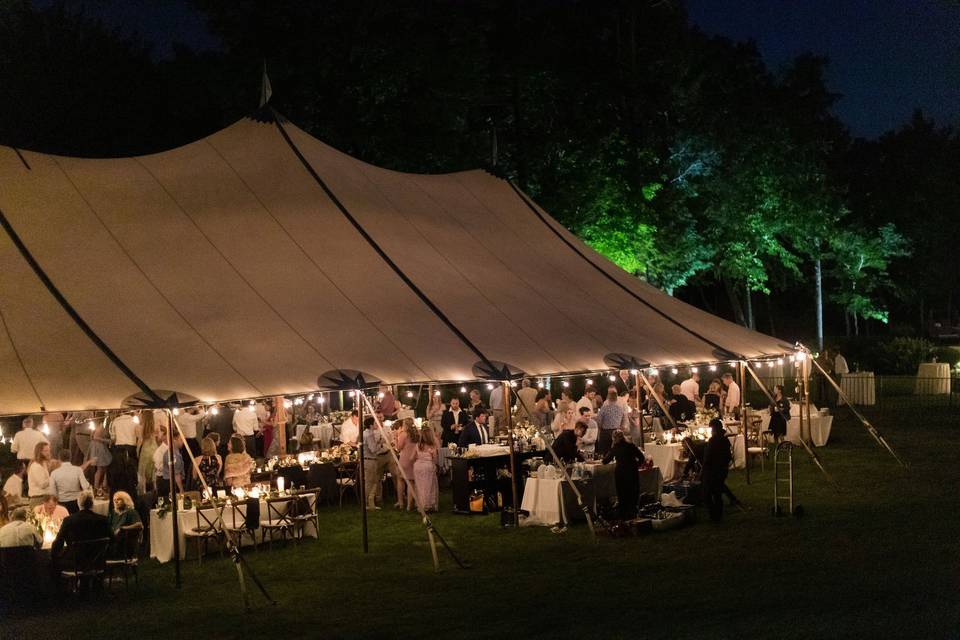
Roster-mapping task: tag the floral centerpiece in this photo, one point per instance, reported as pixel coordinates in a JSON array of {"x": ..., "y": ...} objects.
[{"x": 339, "y": 453}]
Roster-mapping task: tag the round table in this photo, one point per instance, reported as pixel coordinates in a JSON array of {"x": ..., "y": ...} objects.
[{"x": 933, "y": 378}]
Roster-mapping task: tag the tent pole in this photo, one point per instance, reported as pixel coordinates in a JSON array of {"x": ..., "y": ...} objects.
[
  {"x": 361, "y": 474},
  {"x": 741, "y": 365},
  {"x": 281, "y": 426},
  {"x": 639, "y": 409},
  {"x": 173, "y": 498},
  {"x": 432, "y": 533},
  {"x": 508, "y": 420},
  {"x": 870, "y": 428},
  {"x": 810, "y": 451}
]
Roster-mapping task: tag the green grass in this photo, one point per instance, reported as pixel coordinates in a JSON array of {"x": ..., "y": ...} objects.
[{"x": 878, "y": 558}]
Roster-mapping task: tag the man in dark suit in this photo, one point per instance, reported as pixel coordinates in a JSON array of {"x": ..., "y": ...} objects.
[
  {"x": 452, "y": 422},
  {"x": 476, "y": 431},
  {"x": 565, "y": 446},
  {"x": 82, "y": 526},
  {"x": 681, "y": 408}
]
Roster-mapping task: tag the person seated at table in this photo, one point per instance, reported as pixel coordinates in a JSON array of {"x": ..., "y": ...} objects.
[
  {"x": 305, "y": 441},
  {"x": 476, "y": 431},
  {"x": 779, "y": 413},
  {"x": 716, "y": 466},
  {"x": 713, "y": 397},
  {"x": 350, "y": 429},
  {"x": 566, "y": 418},
  {"x": 124, "y": 514},
  {"x": 565, "y": 446},
  {"x": 18, "y": 532},
  {"x": 51, "y": 510},
  {"x": 681, "y": 408},
  {"x": 452, "y": 422},
  {"x": 238, "y": 466},
  {"x": 13, "y": 487},
  {"x": 626, "y": 476},
  {"x": 82, "y": 526},
  {"x": 209, "y": 464},
  {"x": 588, "y": 441}
]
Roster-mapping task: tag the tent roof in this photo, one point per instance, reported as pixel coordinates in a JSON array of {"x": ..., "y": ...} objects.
[{"x": 224, "y": 270}]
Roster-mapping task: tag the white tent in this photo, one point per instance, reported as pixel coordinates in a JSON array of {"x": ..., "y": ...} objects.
[{"x": 247, "y": 263}]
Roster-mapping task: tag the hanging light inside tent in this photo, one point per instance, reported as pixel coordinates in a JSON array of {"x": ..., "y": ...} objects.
[
  {"x": 409, "y": 394},
  {"x": 437, "y": 392},
  {"x": 589, "y": 381},
  {"x": 770, "y": 364},
  {"x": 320, "y": 400},
  {"x": 176, "y": 411},
  {"x": 91, "y": 426},
  {"x": 779, "y": 360},
  {"x": 489, "y": 387},
  {"x": 693, "y": 369},
  {"x": 463, "y": 389},
  {"x": 612, "y": 377},
  {"x": 136, "y": 419},
  {"x": 673, "y": 371},
  {"x": 566, "y": 383},
  {"x": 215, "y": 409},
  {"x": 310, "y": 397},
  {"x": 298, "y": 401},
  {"x": 287, "y": 403},
  {"x": 633, "y": 372},
  {"x": 45, "y": 429},
  {"x": 380, "y": 395},
  {"x": 513, "y": 383},
  {"x": 540, "y": 385},
  {"x": 713, "y": 367}
]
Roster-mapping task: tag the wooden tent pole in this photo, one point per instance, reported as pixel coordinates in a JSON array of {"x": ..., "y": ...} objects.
[
  {"x": 360, "y": 473},
  {"x": 508, "y": 420}
]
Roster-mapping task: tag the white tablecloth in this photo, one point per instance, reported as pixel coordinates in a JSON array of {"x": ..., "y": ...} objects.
[
  {"x": 443, "y": 459},
  {"x": 933, "y": 378},
  {"x": 161, "y": 530},
  {"x": 542, "y": 500},
  {"x": 860, "y": 387},
  {"x": 322, "y": 433},
  {"x": 666, "y": 457},
  {"x": 820, "y": 426}
]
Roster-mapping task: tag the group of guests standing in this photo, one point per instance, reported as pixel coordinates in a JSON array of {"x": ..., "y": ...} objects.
[{"x": 413, "y": 464}]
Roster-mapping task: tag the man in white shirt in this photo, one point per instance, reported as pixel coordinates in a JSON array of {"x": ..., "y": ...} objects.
[
  {"x": 246, "y": 424},
  {"x": 691, "y": 388},
  {"x": 496, "y": 406},
  {"x": 731, "y": 405},
  {"x": 18, "y": 533},
  {"x": 26, "y": 440},
  {"x": 126, "y": 435},
  {"x": 840, "y": 366},
  {"x": 67, "y": 482},
  {"x": 13, "y": 487},
  {"x": 374, "y": 461},
  {"x": 189, "y": 423},
  {"x": 587, "y": 401},
  {"x": 350, "y": 429},
  {"x": 588, "y": 441},
  {"x": 158, "y": 455}
]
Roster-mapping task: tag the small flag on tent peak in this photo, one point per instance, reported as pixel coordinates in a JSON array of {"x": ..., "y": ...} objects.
[{"x": 265, "y": 89}]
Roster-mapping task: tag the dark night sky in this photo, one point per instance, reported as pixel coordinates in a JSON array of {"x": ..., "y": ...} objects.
[{"x": 888, "y": 56}]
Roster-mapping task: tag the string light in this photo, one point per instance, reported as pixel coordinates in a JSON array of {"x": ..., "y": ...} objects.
[
  {"x": 437, "y": 392},
  {"x": 380, "y": 395},
  {"x": 320, "y": 400},
  {"x": 287, "y": 404},
  {"x": 91, "y": 426},
  {"x": 770, "y": 364},
  {"x": 612, "y": 377},
  {"x": 409, "y": 394},
  {"x": 298, "y": 401},
  {"x": 633, "y": 372},
  {"x": 176, "y": 411},
  {"x": 45, "y": 428},
  {"x": 214, "y": 409},
  {"x": 463, "y": 389},
  {"x": 566, "y": 384},
  {"x": 253, "y": 403},
  {"x": 540, "y": 385},
  {"x": 673, "y": 371},
  {"x": 693, "y": 369},
  {"x": 513, "y": 383},
  {"x": 589, "y": 382},
  {"x": 489, "y": 387},
  {"x": 713, "y": 367},
  {"x": 136, "y": 419},
  {"x": 779, "y": 360}
]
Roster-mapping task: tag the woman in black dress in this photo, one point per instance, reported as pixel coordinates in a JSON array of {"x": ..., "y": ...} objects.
[
  {"x": 711, "y": 399},
  {"x": 628, "y": 458},
  {"x": 779, "y": 413}
]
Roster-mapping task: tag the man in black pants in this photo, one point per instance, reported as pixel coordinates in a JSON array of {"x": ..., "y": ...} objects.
[{"x": 716, "y": 465}]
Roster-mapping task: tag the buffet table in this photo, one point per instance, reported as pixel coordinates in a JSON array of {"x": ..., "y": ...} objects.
[
  {"x": 161, "y": 529},
  {"x": 933, "y": 378}
]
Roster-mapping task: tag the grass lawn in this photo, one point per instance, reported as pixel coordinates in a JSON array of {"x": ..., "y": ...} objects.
[{"x": 879, "y": 558}]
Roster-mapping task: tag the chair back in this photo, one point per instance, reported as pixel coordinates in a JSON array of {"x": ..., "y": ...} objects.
[
  {"x": 304, "y": 506},
  {"x": 207, "y": 517},
  {"x": 280, "y": 510},
  {"x": 129, "y": 539},
  {"x": 87, "y": 556}
]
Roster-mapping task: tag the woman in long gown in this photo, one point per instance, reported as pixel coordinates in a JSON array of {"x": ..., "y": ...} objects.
[
  {"x": 407, "y": 441},
  {"x": 425, "y": 471}
]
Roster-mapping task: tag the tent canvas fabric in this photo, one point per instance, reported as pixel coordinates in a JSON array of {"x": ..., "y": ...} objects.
[{"x": 222, "y": 269}]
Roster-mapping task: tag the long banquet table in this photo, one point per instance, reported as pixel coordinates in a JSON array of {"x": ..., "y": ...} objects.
[{"x": 161, "y": 529}]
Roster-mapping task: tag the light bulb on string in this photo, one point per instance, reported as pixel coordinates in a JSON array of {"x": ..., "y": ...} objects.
[
  {"x": 633, "y": 372},
  {"x": 489, "y": 387},
  {"x": 437, "y": 392},
  {"x": 770, "y": 364},
  {"x": 589, "y": 381},
  {"x": 409, "y": 394},
  {"x": 310, "y": 397},
  {"x": 320, "y": 400},
  {"x": 651, "y": 371},
  {"x": 566, "y": 383},
  {"x": 713, "y": 367},
  {"x": 612, "y": 377},
  {"x": 540, "y": 385},
  {"x": 91, "y": 426},
  {"x": 298, "y": 401},
  {"x": 136, "y": 419},
  {"x": 513, "y": 383},
  {"x": 673, "y": 371},
  {"x": 176, "y": 411},
  {"x": 380, "y": 395},
  {"x": 45, "y": 429},
  {"x": 287, "y": 403},
  {"x": 693, "y": 369},
  {"x": 779, "y": 360},
  {"x": 463, "y": 389},
  {"x": 215, "y": 410}
]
